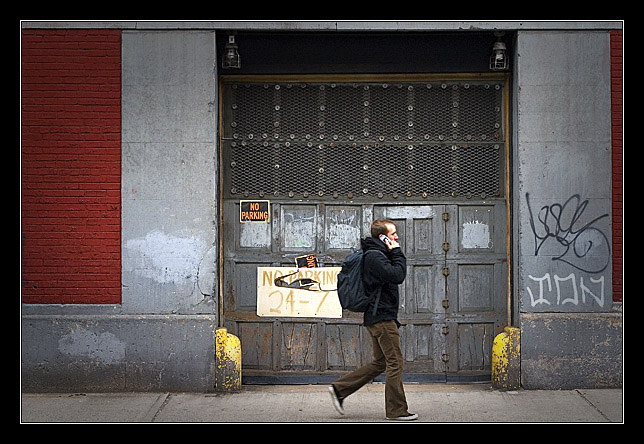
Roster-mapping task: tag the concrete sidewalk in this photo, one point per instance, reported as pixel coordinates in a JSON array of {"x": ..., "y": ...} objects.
[{"x": 312, "y": 403}]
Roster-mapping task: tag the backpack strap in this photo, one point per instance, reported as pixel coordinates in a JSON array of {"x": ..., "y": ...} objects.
[{"x": 375, "y": 304}]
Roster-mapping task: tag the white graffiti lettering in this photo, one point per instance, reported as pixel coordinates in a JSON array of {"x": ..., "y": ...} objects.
[{"x": 566, "y": 288}]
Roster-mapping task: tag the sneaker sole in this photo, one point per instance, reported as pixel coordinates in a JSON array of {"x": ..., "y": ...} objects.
[
  {"x": 411, "y": 417},
  {"x": 336, "y": 402}
]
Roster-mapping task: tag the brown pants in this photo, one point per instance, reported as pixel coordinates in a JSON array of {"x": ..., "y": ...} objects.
[{"x": 387, "y": 357}]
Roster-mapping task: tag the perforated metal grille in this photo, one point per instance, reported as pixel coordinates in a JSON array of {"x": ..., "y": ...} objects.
[{"x": 364, "y": 139}]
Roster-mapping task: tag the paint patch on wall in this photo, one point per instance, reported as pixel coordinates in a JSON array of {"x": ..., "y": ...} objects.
[
  {"x": 343, "y": 228},
  {"x": 475, "y": 235},
  {"x": 166, "y": 258},
  {"x": 105, "y": 347}
]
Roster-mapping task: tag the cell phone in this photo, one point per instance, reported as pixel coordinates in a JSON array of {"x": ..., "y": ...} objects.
[{"x": 385, "y": 239}]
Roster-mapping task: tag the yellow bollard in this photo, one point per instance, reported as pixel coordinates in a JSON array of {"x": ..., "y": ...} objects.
[
  {"x": 227, "y": 361},
  {"x": 506, "y": 360}
]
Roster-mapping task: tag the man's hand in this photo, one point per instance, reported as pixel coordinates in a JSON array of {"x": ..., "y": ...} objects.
[{"x": 392, "y": 244}]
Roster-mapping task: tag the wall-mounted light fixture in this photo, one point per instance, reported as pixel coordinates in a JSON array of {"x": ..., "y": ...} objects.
[
  {"x": 498, "y": 59},
  {"x": 231, "y": 58}
]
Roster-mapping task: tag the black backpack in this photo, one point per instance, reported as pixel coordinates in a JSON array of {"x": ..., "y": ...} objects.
[{"x": 351, "y": 291}]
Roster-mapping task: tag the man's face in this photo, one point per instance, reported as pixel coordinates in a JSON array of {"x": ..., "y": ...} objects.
[{"x": 392, "y": 233}]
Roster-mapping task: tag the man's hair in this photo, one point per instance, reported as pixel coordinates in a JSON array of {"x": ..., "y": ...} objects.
[{"x": 379, "y": 226}]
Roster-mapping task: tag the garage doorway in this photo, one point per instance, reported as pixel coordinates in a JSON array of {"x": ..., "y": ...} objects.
[{"x": 330, "y": 155}]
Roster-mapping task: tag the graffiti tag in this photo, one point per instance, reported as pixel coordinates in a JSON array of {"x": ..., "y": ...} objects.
[
  {"x": 565, "y": 225},
  {"x": 561, "y": 284}
]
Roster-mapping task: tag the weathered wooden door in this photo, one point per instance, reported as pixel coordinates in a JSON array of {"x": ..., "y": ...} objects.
[
  {"x": 453, "y": 301},
  {"x": 283, "y": 348},
  {"x": 332, "y": 157}
]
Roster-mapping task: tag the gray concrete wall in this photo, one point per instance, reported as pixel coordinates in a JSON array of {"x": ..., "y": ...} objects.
[
  {"x": 162, "y": 335},
  {"x": 570, "y": 333},
  {"x": 169, "y": 175},
  {"x": 117, "y": 353}
]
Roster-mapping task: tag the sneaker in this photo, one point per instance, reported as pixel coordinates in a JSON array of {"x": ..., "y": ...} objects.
[
  {"x": 407, "y": 417},
  {"x": 337, "y": 400}
]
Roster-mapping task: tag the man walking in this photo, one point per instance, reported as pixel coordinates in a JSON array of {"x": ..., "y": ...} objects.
[{"x": 383, "y": 270}]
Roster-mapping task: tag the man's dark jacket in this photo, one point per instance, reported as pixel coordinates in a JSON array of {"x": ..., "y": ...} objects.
[{"x": 385, "y": 271}]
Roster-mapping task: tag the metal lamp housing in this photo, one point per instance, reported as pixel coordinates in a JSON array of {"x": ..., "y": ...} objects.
[
  {"x": 231, "y": 57},
  {"x": 498, "y": 59}
]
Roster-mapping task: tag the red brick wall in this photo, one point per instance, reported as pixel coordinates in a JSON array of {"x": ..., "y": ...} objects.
[
  {"x": 617, "y": 109},
  {"x": 71, "y": 166}
]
